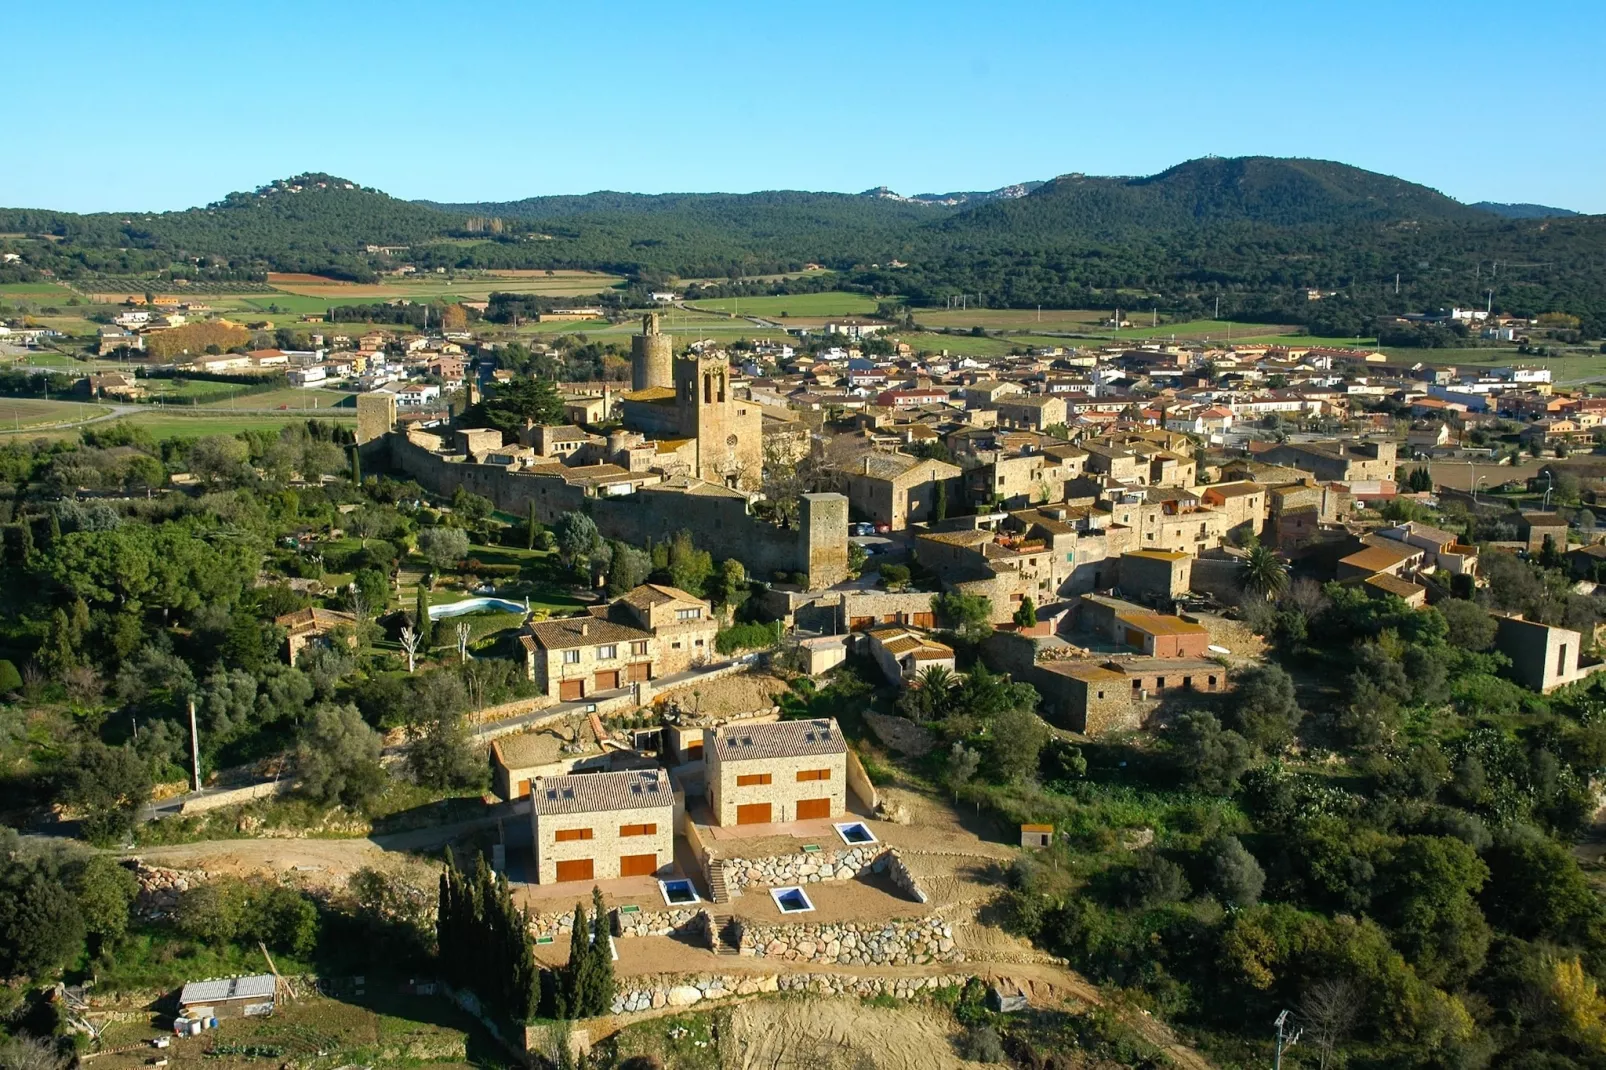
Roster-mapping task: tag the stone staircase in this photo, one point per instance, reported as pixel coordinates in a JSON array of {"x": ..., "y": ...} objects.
[
  {"x": 716, "y": 884},
  {"x": 726, "y": 935}
]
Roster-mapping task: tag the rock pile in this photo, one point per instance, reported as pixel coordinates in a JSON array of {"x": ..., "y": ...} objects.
[
  {"x": 160, "y": 889},
  {"x": 898, "y": 943}
]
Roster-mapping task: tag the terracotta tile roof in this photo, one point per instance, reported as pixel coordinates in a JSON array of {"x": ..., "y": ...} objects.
[
  {"x": 313, "y": 618},
  {"x": 589, "y": 793},
  {"x": 780, "y": 739},
  {"x": 1383, "y": 581},
  {"x": 656, "y": 594},
  {"x": 582, "y": 631},
  {"x": 1377, "y": 558}
]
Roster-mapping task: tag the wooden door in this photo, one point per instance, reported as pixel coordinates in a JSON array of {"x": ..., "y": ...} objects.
[
  {"x": 753, "y": 814},
  {"x": 808, "y": 809},
  {"x": 639, "y": 672},
  {"x": 638, "y": 865},
  {"x": 923, "y": 620},
  {"x": 576, "y": 869},
  {"x": 607, "y": 681},
  {"x": 571, "y": 690}
]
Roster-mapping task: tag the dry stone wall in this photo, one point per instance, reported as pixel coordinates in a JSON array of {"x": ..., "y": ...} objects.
[
  {"x": 899, "y": 943},
  {"x": 836, "y": 865},
  {"x": 642, "y": 923},
  {"x": 645, "y": 994}
]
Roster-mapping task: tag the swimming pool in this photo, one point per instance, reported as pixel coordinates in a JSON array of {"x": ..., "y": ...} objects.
[
  {"x": 475, "y": 605},
  {"x": 678, "y": 892},
  {"x": 791, "y": 900},
  {"x": 854, "y": 832}
]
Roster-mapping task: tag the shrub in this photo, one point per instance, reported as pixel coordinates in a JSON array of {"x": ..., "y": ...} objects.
[
  {"x": 10, "y": 678},
  {"x": 746, "y": 637}
]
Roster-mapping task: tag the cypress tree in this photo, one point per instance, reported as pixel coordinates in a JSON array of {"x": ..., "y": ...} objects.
[
  {"x": 576, "y": 975},
  {"x": 939, "y": 504},
  {"x": 529, "y": 526},
  {"x": 356, "y": 466},
  {"x": 52, "y": 532},
  {"x": 426, "y": 627},
  {"x": 601, "y": 993}
]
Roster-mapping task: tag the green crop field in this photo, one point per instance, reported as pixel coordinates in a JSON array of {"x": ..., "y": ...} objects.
[
  {"x": 172, "y": 425},
  {"x": 1012, "y": 319},
  {"x": 34, "y": 290},
  {"x": 21, "y": 414},
  {"x": 1572, "y": 368},
  {"x": 290, "y": 398},
  {"x": 830, "y": 303}
]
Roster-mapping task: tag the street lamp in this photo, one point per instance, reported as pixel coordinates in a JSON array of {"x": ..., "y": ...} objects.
[{"x": 1480, "y": 479}]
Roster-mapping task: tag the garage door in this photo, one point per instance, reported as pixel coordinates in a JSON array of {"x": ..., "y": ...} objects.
[
  {"x": 575, "y": 869},
  {"x": 571, "y": 690},
  {"x": 923, "y": 620},
  {"x": 639, "y": 672},
  {"x": 753, "y": 814},
  {"x": 638, "y": 865},
  {"x": 811, "y": 808},
  {"x": 607, "y": 681}
]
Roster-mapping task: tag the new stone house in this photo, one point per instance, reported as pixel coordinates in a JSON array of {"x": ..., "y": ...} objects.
[
  {"x": 599, "y": 826},
  {"x": 783, "y": 771},
  {"x": 651, "y": 632}
]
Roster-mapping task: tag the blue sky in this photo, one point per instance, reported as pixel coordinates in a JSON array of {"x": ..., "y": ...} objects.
[{"x": 170, "y": 105}]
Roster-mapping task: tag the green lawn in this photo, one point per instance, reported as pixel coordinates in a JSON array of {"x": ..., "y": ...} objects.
[
  {"x": 171, "y": 425},
  {"x": 37, "y": 290},
  {"x": 829, "y": 303},
  {"x": 1571, "y": 368},
  {"x": 290, "y": 398}
]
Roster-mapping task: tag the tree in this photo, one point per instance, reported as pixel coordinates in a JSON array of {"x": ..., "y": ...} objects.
[
  {"x": 41, "y": 926},
  {"x": 110, "y": 784},
  {"x": 105, "y": 891},
  {"x": 628, "y": 568},
  {"x": 409, "y": 645},
  {"x": 689, "y": 567},
  {"x": 441, "y": 753},
  {"x": 728, "y": 586},
  {"x": 1472, "y": 627},
  {"x": 532, "y": 527},
  {"x": 516, "y": 403},
  {"x": 1026, "y": 615},
  {"x": 219, "y": 459},
  {"x": 443, "y": 548},
  {"x": 338, "y": 758},
  {"x": 969, "y": 615},
  {"x": 1549, "y": 555},
  {"x": 1015, "y": 738},
  {"x": 1235, "y": 875},
  {"x": 939, "y": 501},
  {"x": 1210, "y": 758},
  {"x": 1262, "y": 573},
  {"x": 929, "y": 695},
  {"x": 1152, "y": 880},
  {"x": 1328, "y": 1010},
  {"x": 426, "y": 626},
  {"x": 962, "y": 765},
  {"x": 24, "y": 1052},
  {"x": 1419, "y": 480},
  {"x": 374, "y": 590},
  {"x": 1263, "y": 708},
  {"x": 577, "y": 537}
]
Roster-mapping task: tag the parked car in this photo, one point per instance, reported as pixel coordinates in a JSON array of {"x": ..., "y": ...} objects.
[{"x": 883, "y": 529}]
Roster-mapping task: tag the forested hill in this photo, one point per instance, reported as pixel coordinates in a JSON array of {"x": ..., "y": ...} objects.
[
  {"x": 1256, "y": 231},
  {"x": 1523, "y": 211}
]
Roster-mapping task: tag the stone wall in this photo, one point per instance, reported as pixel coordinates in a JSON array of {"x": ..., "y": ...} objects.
[
  {"x": 642, "y": 994},
  {"x": 898, "y": 943},
  {"x": 842, "y": 864},
  {"x": 686, "y": 922},
  {"x": 720, "y": 523}
]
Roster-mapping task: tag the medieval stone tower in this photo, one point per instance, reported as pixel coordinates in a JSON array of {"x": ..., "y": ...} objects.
[
  {"x": 651, "y": 356},
  {"x": 729, "y": 430},
  {"x": 376, "y": 416}
]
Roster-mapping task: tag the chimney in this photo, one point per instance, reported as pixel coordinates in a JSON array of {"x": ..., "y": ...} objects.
[{"x": 585, "y": 627}]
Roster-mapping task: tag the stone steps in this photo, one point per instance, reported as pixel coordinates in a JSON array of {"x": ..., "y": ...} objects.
[
  {"x": 717, "y": 890},
  {"x": 725, "y": 940}
]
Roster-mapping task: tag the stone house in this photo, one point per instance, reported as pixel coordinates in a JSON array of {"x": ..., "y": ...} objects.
[
  {"x": 1533, "y": 527},
  {"x": 895, "y": 488},
  {"x": 1543, "y": 657},
  {"x": 1156, "y": 574},
  {"x": 1159, "y": 635},
  {"x": 1035, "y": 411},
  {"x": 1243, "y": 504},
  {"x": 783, "y": 771},
  {"x": 903, "y": 653},
  {"x": 601, "y": 826},
  {"x": 1346, "y": 462},
  {"x": 1095, "y": 698},
  {"x": 307, "y": 627},
  {"x": 651, "y": 632}
]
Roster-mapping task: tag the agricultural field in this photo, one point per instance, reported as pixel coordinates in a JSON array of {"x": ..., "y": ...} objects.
[
  {"x": 830, "y": 303},
  {"x": 475, "y": 287},
  {"x": 34, "y": 291},
  {"x": 21, "y": 414},
  {"x": 381, "y": 1027},
  {"x": 291, "y": 398},
  {"x": 1572, "y": 367},
  {"x": 169, "y": 424},
  {"x": 1012, "y": 319}
]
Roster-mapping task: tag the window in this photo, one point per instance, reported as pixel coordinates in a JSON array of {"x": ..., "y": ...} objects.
[
  {"x": 675, "y": 644},
  {"x": 607, "y": 653},
  {"x": 570, "y": 835},
  {"x": 698, "y": 643},
  {"x": 571, "y": 657},
  {"x": 748, "y": 780},
  {"x": 813, "y": 774},
  {"x": 689, "y": 614},
  {"x": 638, "y": 830},
  {"x": 638, "y": 647}
]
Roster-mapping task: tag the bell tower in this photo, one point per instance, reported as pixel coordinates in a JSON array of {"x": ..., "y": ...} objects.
[{"x": 728, "y": 429}]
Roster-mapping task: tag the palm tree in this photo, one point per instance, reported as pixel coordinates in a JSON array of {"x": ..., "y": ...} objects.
[
  {"x": 927, "y": 695},
  {"x": 1262, "y": 572}
]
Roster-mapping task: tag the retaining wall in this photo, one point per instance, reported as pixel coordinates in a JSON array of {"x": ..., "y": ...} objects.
[
  {"x": 643, "y": 994},
  {"x": 842, "y": 864},
  {"x": 898, "y": 943}
]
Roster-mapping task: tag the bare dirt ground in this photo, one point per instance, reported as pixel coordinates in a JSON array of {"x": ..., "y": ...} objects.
[
  {"x": 837, "y": 1034},
  {"x": 728, "y": 696}
]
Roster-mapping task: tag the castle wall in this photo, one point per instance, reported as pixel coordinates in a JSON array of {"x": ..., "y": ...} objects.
[{"x": 719, "y": 523}]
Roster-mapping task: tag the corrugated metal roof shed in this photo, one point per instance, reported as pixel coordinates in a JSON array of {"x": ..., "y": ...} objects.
[{"x": 260, "y": 986}]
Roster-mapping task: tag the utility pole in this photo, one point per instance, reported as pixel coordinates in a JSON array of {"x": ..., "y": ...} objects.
[
  {"x": 1284, "y": 1039},
  {"x": 195, "y": 750}
]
